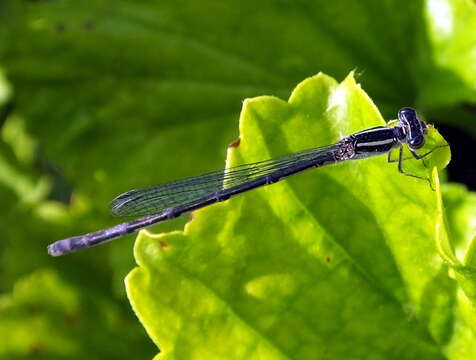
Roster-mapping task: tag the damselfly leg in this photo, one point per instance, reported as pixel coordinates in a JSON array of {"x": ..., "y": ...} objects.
[{"x": 415, "y": 155}]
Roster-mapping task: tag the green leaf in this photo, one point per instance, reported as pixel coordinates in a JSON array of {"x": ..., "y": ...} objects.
[
  {"x": 47, "y": 318},
  {"x": 460, "y": 210},
  {"x": 42, "y": 315},
  {"x": 320, "y": 265},
  {"x": 456, "y": 244},
  {"x": 457, "y": 237},
  {"x": 448, "y": 28}
]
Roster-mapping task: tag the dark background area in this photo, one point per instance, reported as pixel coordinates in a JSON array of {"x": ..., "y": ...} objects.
[{"x": 462, "y": 167}]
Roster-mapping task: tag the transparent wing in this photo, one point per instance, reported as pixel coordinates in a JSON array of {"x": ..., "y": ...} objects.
[{"x": 141, "y": 202}]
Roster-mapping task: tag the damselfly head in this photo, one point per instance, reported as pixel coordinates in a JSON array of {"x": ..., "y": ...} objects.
[{"x": 413, "y": 128}]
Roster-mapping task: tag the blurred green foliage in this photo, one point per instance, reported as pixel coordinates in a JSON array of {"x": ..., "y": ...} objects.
[{"x": 97, "y": 97}]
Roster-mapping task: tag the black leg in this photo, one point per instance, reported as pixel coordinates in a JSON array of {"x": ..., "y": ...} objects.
[
  {"x": 390, "y": 160},
  {"x": 416, "y": 156},
  {"x": 421, "y": 157},
  {"x": 401, "y": 171},
  {"x": 389, "y": 157}
]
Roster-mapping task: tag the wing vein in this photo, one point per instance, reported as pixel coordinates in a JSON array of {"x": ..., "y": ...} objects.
[{"x": 139, "y": 202}]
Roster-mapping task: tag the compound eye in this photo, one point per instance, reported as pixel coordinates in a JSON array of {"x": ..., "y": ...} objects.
[
  {"x": 417, "y": 142},
  {"x": 406, "y": 114}
]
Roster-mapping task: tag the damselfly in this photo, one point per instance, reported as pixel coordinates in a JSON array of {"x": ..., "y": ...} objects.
[{"x": 167, "y": 201}]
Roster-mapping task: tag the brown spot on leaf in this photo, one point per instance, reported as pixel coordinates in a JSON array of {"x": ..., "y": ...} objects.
[
  {"x": 328, "y": 259},
  {"x": 235, "y": 143},
  {"x": 163, "y": 244}
]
